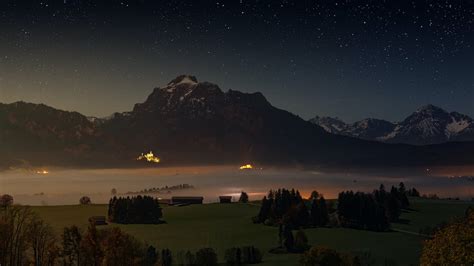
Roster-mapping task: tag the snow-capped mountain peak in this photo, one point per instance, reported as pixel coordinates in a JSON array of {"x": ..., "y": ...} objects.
[{"x": 429, "y": 124}]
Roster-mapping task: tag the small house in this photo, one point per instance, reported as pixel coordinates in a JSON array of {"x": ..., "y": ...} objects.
[
  {"x": 164, "y": 201},
  {"x": 98, "y": 220},
  {"x": 186, "y": 200},
  {"x": 225, "y": 199}
]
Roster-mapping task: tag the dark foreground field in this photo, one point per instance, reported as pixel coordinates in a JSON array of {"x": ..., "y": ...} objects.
[{"x": 222, "y": 226}]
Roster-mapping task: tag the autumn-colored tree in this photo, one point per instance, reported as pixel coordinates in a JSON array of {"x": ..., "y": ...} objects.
[
  {"x": 43, "y": 242},
  {"x": 120, "y": 248},
  {"x": 72, "y": 245},
  {"x": 451, "y": 245},
  {"x": 91, "y": 247}
]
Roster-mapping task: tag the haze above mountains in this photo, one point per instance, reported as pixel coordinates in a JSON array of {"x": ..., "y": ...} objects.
[{"x": 191, "y": 122}]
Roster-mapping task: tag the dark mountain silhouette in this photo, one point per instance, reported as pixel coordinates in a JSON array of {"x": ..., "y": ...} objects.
[{"x": 191, "y": 122}]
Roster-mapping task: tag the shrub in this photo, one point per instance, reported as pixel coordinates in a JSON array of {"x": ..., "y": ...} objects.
[
  {"x": 166, "y": 258},
  {"x": 244, "y": 197},
  {"x": 6, "y": 200},
  {"x": 251, "y": 255},
  {"x": 318, "y": 256},
  {"x": 243, "y": 255},
  {"x": 206, "y": 257},
  {"x": 451, "y": 245},
  {"x": 85, "y": 200},
  {"x": 301, "y": 242},
  {"x": 233, "y": 256}
]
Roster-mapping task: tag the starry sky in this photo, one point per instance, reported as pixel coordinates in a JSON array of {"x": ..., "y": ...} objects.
[{"x": 343, "y": 58}]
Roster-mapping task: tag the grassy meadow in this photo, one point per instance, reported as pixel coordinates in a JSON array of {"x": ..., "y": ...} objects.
[{"x": 222, "y": 226}]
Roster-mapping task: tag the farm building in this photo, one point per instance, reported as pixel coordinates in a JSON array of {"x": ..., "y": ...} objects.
[
  {"x": 225, "y": 199},
  {"x": 186, "y": 200},
  {"x": 98, "y": 220}
]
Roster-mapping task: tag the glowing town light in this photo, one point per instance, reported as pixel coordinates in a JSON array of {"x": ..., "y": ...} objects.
[
  {"x": 247, "y": 166},
  {"x": 149, "y": 157},
  {"x": 42, "y": 172}
]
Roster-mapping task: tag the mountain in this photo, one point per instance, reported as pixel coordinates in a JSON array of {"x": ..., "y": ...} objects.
[
  {"x": 428, "y": 125},
  {"x": 192, "y": 122},
  {"x": 36, "y": 132},
  {"x": 331, "y": 125}
]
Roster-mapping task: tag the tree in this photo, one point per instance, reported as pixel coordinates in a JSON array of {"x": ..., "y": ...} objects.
[
  {"x": 71, "y": 245},
  {"x": 323, "y": 212},
  {"x": 244, "y": 197},
  {"x": 206, "y": 257},
  {"x": 166, "y": 258},
  {"x": 301, "y": 241},
  {"x": 314, "y": 195},
  {"x": 451, "y": 245},
  {"x": 6, "y": 200},
  {"x": 323, "y": 256},
  {"x": 315, "y": 213},
  {"x": 151, "y": 257},
  {"x": 233, "y": 256},
  {"x": 120, "y": 248},
  {"x": 85, "y": 200},
  {"x": 42, "y": 241},
  {"x": 91, "y": 247},
  {"x": 251, "y": 255},
  {"x": 288, "y": 240},
  {"x": 14, "y": 234}
]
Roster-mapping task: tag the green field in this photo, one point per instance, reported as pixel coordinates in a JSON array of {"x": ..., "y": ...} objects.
[{"x": 222, "y": 226}]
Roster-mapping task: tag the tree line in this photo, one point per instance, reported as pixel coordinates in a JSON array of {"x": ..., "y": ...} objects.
[
  {"x": 25, "y": 239},
  {"x": 135, "y": 210},
  {"x": 288, "y": 208},
  {"x": 372, "y": 211}
]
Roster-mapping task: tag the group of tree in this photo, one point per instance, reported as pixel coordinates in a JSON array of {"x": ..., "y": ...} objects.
[
  {"x": 287, "y": 207},
  {"x": 202, "y": 257},
  {"x": 106, "y": 247},
  {"x": 24, "y": 238},
  {"x": 319, "y": 255},
  {"x": 291, "y": 242},
  {"x": 135, "y": 210},
  {"x": 412, "y": 192},
  {"x": 243, "y": 255},
  {"x": 452, "y": 244},
  {"x": 372, "y": 211}
]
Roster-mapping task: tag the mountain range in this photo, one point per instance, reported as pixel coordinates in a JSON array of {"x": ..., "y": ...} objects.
[
  {"x": 427, "y": 125},
  {"x": 191, "y": 122}
]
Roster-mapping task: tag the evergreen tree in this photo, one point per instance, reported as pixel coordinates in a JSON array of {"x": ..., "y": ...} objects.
[
  {"x": 323, "y": 212},
  {"x": 244, "y": 197},
  {"x": 151, "y": 257},
  {"x": 166, "y": 257}
]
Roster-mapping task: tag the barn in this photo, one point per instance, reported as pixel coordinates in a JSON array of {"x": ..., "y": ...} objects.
[
  {"x": 186, "y": 200},
  {"x": 225, "y": 199},
  {"x": 98, "y": 220}
]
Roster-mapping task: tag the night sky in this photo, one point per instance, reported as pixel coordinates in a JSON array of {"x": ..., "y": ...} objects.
[{"x": 350, "y": 59}]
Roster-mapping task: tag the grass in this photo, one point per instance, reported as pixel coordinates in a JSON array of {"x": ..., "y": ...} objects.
[{"x": 222, "y": 226}]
